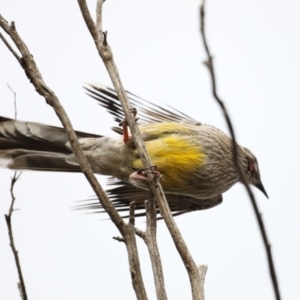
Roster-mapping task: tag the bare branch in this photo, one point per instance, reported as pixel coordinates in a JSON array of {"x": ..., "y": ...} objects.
[
  {"x": 131, "y": 213},
  {"x": 21, "y": 284},
  {"x": 149, "y": 238},
  {"x": 106, "y": 55},
  {"x": 119, "y": 239},
  {"x": 99, "y": 14},
  {"x": 32, "y": 72},
  {"x": 15, "y": 178},
  {"x": 202, "y": 273},
  {"x": 100, "y": 39},
  {"x": 15, "y": 99},
  {"x": 210, "y": 66},
  {"x": 10, "y": 48}
]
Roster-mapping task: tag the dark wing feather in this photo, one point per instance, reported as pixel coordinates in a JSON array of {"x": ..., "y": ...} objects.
[
  {"x": 122, "y": 193},
  {"x": 147, "y": 111}
]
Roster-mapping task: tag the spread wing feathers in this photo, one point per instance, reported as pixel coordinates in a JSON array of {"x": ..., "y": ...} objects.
[
  {"x": 33, "y": 146},
  {"x": 122, "y": 193},
  {"x": 147, "y": 111}
]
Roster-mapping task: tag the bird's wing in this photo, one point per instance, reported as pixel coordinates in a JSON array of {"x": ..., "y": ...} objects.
[
  {"x": 147, "y": 111},
  {"x": 33, "y": 146},
  {"x": 122, "y": 193},
  {"x": 28, "y": 145}
]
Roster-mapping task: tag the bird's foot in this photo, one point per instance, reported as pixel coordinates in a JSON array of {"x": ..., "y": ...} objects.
[{"x": 142, "y": 173}]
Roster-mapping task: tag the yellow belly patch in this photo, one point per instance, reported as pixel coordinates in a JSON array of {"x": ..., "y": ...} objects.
[{"x": 176, "y": 156}]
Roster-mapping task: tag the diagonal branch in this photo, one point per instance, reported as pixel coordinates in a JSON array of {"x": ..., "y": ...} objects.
[
  {"x": 210, "y": 66},
  {"x": 100, "y": 39},
  {"x": 32, "y": 72},
  {"x": 18, "y": 58}
]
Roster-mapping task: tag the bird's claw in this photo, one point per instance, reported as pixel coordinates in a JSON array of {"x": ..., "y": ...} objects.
[{"x": 142, "y": 173}]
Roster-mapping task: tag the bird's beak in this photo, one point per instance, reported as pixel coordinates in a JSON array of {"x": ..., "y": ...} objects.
[{"x": 260, "y": 186}]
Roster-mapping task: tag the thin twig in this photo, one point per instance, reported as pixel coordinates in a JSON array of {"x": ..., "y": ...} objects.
[
  {"x": 15, "y": 178},
  {"x": 119, "y": 239},
  {"x": 100, "y": 39},
  {"x": 15, "y": 99},
  {"x": 210, "y": 66},
  {"x": 21, "y": 284},
  {"x": 149, "y": 238},
  {"x": 10, "y": 48}
]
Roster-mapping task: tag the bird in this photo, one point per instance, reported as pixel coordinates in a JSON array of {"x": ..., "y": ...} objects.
[{"x": 194, "y": 159}]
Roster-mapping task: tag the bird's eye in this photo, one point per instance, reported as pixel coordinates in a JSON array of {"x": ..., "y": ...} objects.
[{"x": 252, "y": 167}]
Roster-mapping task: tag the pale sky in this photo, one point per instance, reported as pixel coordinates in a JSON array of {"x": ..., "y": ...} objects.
[{"x": 158, "y": 50}]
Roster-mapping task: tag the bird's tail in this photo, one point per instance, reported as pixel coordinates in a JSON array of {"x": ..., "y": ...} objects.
[{"x": 33, "y": 146}]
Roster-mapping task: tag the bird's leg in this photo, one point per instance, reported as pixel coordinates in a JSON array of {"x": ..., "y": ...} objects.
[
  {"x": 142, "y": 174},
  {"x": 124, "y": 125}
]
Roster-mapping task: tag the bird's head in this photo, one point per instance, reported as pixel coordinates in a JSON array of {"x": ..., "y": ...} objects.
[{"x": 250, "y": 166}]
